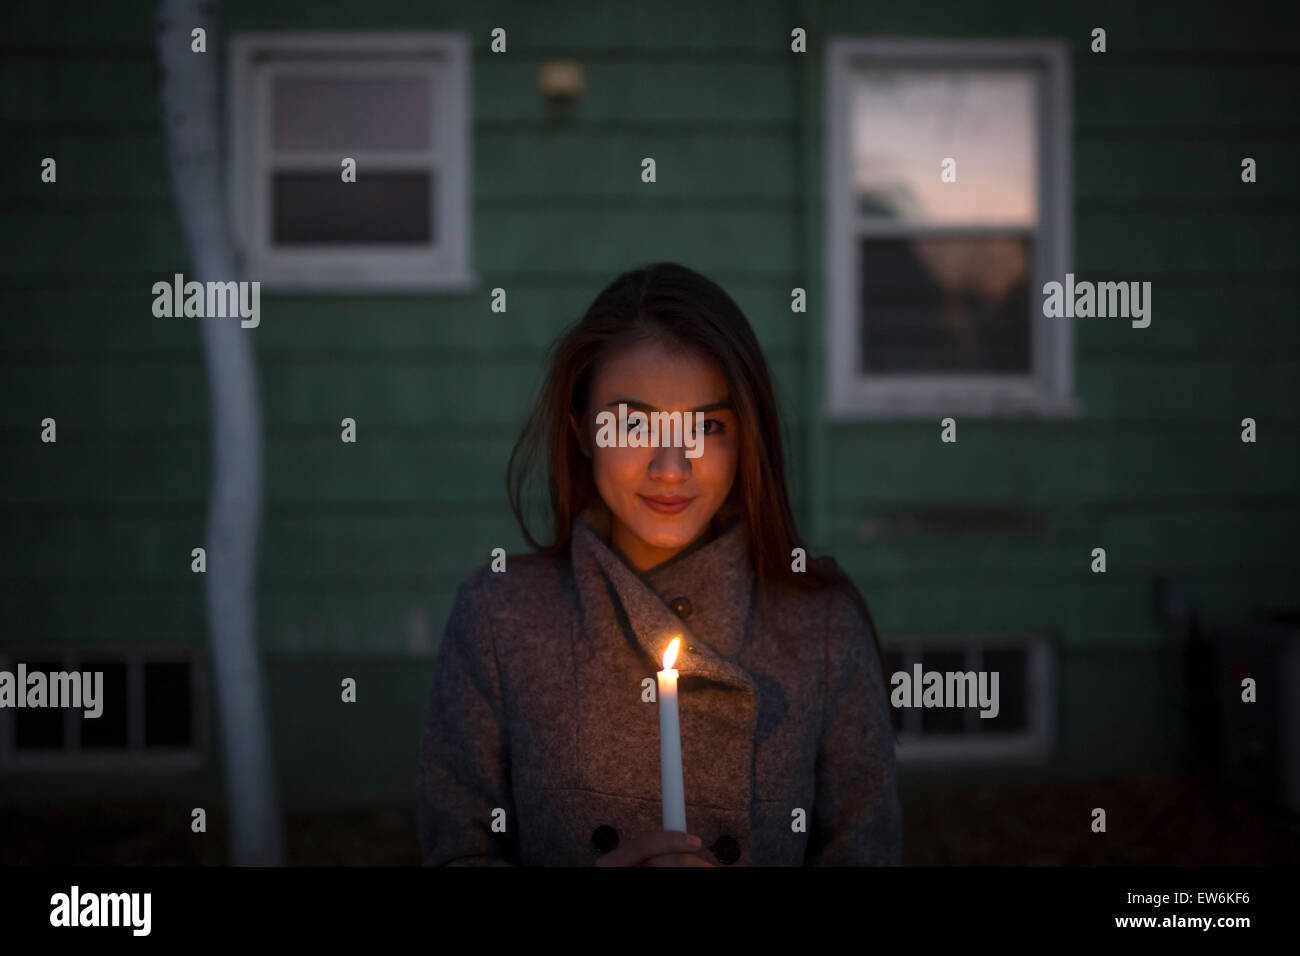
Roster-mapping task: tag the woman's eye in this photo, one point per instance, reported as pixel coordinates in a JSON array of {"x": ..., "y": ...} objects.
[{"x": 716, "y": 429}]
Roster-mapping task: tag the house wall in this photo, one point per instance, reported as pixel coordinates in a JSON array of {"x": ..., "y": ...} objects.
[{"x": 363, "y": 544}]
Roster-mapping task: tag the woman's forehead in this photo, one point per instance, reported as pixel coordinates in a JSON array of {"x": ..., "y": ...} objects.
[{"x": 654, "y": 372}]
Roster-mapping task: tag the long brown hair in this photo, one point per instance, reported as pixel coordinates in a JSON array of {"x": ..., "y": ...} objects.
[{"x": 668, "y": 302}]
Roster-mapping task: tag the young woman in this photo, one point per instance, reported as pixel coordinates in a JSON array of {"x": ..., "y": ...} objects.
[{"x": 541, "y": 744}]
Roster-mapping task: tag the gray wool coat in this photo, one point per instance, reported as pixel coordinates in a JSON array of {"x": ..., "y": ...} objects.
[{"x": 536, "y": 717}]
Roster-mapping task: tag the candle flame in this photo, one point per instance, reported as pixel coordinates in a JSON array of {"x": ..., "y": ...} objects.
[{"x": 670, "y": 655}]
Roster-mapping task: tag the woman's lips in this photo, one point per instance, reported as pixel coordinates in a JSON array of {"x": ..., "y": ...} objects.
[{"x": 666, "y": 504}]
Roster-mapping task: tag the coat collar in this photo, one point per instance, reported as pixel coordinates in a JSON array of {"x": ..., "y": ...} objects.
[{"x": 713, "y": 578}]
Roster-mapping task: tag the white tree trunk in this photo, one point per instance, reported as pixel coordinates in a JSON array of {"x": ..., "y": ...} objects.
[{"x": 189, "y": 86}]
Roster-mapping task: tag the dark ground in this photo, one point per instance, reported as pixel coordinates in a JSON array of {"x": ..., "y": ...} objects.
[{"x": 1153, "y": 820}]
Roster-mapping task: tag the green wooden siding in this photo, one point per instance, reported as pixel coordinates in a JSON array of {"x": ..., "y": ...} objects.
[{"x": 362, "y": 545}]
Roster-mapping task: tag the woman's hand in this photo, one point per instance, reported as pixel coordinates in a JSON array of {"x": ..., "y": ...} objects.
[{"x": 658, "y": 848}]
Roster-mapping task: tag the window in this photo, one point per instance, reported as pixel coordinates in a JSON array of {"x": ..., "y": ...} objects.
[
  {"x": 1023, "y": 727},
  {"x": 398, "y": 106},
  {"x": 150, "y": 715},
  {"x": 935, "y": 287}
]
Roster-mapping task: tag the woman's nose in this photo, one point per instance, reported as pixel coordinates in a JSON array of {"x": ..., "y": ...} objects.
[{"x": 670, "y": 463}]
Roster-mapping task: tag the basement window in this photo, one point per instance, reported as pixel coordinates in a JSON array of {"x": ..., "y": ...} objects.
[
  {"x": 1023, "y": 727},
  {"x": 151, "y": 715}
]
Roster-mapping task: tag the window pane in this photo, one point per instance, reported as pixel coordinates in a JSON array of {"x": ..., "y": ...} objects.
[
  {"x": 905, "y": 122},
  {"x": 942, "y": 720},
  {"x": 945, "y": 304},
  {"x": 109, "y": 728},
  {"x": 168, "y": 710},
  {"x": 1013, "y": 684},
  {"x": 38, "y": 728},
  {"x": 319, "y": 208},
  {"x": 350, "y": 112}
]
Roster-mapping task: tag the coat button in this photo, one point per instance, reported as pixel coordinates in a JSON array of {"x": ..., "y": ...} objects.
[
  {"x": 726, "y": 849},
  {"x": 681, "y": 607},
  {"x": 604, "y": 838}
]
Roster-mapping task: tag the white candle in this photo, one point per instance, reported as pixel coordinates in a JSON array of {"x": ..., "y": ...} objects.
[{"x": 670, "y": 744}]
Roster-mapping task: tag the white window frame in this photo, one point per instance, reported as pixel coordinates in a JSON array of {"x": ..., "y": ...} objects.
[
  {"x": 1034, "y": 746},
  {"x": 135, "y": 755},
  {"x": 441, "y": 266},
  {"x": 1048, "y": 390}
]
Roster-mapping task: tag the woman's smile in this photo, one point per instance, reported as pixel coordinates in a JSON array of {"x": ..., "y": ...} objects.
[{"x": 666, "y": 504}]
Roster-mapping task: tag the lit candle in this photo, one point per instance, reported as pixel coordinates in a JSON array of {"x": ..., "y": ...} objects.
[{"x": 670, "y": 744}]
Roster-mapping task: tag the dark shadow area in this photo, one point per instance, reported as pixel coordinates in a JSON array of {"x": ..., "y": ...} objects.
[{"x": 1170, "y": 820}]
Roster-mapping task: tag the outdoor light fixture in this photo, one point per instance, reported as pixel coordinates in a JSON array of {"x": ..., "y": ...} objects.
[{"x": 560, "y": 80}]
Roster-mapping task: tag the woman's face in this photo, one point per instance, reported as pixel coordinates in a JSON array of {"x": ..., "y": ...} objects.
[{"x": 662, "y": 500}]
